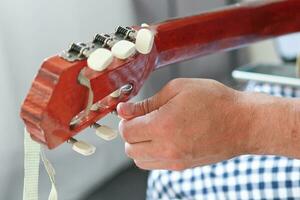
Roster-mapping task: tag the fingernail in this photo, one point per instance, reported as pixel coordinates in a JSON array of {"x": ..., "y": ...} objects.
[{"x": 126, "y": 109}]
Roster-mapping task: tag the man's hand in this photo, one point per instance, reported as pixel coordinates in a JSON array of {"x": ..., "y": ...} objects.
[{"x": 193, "y": 122}]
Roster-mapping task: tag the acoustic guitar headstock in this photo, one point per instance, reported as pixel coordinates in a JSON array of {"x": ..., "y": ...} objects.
[{"x": 75, "y": 89}]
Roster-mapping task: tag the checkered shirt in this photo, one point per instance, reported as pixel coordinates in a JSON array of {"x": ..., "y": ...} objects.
[{"x": 243, "y": 177}]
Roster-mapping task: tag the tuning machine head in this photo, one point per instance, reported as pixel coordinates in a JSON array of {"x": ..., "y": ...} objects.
[
  {"x": 76, "y": 52},
  {"x": 100, "y": 59},
  {"x": 104, "y": 40},
  {"x": 123, "y": 49},
  {"x": 144, "y": 41},
  {"x": 82, "y": 147},
  {"x": 104, "y": 132},
  {"x": 126, "y": 33},
  {"x": 76, "y": 88}
]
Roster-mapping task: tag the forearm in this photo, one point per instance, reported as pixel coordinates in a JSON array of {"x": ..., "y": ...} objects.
[{"x": 275, "y": 125}]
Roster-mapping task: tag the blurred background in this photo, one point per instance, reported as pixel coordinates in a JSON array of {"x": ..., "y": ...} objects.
[{"x": 32, "y": 30}]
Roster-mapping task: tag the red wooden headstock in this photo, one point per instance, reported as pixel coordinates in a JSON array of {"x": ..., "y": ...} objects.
[
  {"x": 58, "y": 94},
  {"x": 55, "y": 108}
]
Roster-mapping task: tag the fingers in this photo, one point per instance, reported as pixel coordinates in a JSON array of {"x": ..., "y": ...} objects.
[
  {"x": 136, "y": 130},
  {"x": 145, "y": 156},
  {"x": 132, "y": 110},
  {"x": 127, "y": 110},
  {"x": 143, "y": 151},
  {"x": 161, "y": 165},
  {"x": 151, "y": 165},
  {"x": 150, "y": 155}
]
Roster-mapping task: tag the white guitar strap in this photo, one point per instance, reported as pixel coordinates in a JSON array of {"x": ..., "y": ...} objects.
[
  {"x": 31, "y": 168},
  {"x": 33, "y": 152},
  {"x": 51, "y": 173}
]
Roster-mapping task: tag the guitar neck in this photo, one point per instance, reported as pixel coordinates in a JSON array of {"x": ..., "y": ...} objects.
[{"x": 229, "y": 28}]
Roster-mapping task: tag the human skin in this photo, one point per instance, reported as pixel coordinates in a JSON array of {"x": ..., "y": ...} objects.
[{"x": 196, "y": 122}]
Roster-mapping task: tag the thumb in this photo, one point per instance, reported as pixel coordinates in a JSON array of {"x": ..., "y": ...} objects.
[{"x": 132, "y": 110}]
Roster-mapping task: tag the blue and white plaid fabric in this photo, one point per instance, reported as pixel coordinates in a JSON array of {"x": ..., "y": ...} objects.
[{"x": 243, "y": 177}]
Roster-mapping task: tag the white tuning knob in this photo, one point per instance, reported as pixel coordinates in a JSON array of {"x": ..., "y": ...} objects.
[
  {"x": 105, "y": 132},
  {"x": 144, "y": 41},
  {"x": 82, "y": 147},
  {"x": 100, "y": 59},
  {"x": 123, "y": 49},
  {"x": 144, "y": 25},
  {"x": 115, "y": 94}
]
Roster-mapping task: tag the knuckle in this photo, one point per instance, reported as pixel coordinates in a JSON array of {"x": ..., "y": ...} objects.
[
  {"x": 145, "y": 106},
  {"x": 215, "y": 83},
  {"x": 177, "y": 81},
  {"x": 174, "y": 84}
]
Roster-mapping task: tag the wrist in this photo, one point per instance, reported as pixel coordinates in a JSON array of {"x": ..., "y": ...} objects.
[{"x": 273, "y": 123}]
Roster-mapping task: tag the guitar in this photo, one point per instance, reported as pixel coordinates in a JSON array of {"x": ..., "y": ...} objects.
[{"x": 75, "y": 89}]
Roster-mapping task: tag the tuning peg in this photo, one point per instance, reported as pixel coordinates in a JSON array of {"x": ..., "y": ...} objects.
[
  {"x": 144, "y": 25},
  {"x": 82, "y": 147},
  {"x": 125, "y": 89},
  {"x": 144, "y": 41},
  {"x": 100, "y": 59},
  {"x": 115, "y": 94},
  {"x": 105, "y": 132},
  {"x": 123, "y": 49}
]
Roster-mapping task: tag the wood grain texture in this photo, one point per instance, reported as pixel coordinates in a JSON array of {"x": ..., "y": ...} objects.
[{"x": 56, "y": 95}]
